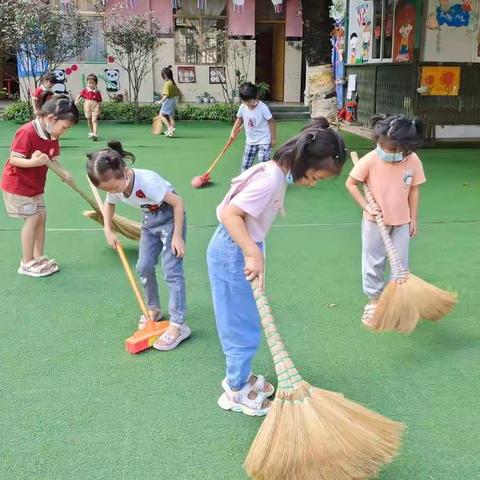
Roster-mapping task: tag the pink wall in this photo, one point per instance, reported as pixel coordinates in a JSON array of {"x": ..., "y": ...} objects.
[
  {"x": 163, "y": 8},
  {"x": 294, "y": 22},
  {"x": 241, "y": 23}
]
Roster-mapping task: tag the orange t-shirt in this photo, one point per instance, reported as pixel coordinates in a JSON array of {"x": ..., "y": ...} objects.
[{"x": 390, "y": 184}]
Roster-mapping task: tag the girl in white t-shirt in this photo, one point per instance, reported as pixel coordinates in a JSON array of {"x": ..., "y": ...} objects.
[
  {"x": 235, "y": 254},
  {"x": 163, "y": 232}
]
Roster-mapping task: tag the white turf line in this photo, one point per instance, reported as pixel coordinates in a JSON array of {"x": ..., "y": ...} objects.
[{"x": 289, "y": 225}]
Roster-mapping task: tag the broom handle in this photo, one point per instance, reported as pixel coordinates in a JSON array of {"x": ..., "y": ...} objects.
[
  {"x": 132, "y": 280},
  {"x": 398, "y": 269},
  {"x": 59, "y": 172},
  {"x": 96, "y": 195},
  {"x": 288, "y": 376},
  {"x": 222, "y": 153}
]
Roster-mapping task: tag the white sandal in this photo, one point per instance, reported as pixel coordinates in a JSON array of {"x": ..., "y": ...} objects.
[
  {"x": 368, "y": 314},
  {"x": 169, "y": 341},
  {"x": 33, "y": 269},
  {"x": 260, "y": 384},
  {"x": 239, "y": 401},
  {"x": 51, "y": 263}
]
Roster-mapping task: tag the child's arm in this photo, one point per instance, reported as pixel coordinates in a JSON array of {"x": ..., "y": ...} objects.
[
  {"x": 233, "y": 218},
  {"x": 236, "y": 127},
  {"x": 413, "y": 199},
  {"x": 273, "y": 131},
  {"x": 108, "y": 213},
  {"x": 65, "y": 174},
  {"x": 164, "y": 97},
  {"x": 178, "y": 245},
  {"x": 79, "y": 97},
  {"x": 37, "y": 160},
  {"x": 352, "y": 187},
  {"x": 35, "y": 105}
]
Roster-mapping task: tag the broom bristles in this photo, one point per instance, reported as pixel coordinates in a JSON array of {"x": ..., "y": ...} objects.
[
  {"x": 128, "y": 228},
  {"x": 315, "y": 434},
  {"x": 403, "y": 304},
  {"x": 433, "y": 302}
]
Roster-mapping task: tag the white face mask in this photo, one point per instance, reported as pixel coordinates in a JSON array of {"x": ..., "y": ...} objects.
[
  {"x": 389, "y": 157},
  {"x": 49, "y": 128}
]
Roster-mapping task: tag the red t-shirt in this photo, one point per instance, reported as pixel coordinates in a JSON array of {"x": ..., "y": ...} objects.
[
  {"x": 37, "y": 92},
  {"x": 91, "y": 95},
  {"x": 29, "y": 182}
]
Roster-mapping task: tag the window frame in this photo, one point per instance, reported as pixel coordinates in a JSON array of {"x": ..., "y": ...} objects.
[
  {"x": 200, "y": 18},
  {"x": 381, "y": 59}
]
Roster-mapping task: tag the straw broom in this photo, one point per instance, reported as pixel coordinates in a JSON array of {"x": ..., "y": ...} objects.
[
  {"x": 406, "y": 298},
  {"x": 122, "y": 225},
  {"x": 314, "y": 434}
]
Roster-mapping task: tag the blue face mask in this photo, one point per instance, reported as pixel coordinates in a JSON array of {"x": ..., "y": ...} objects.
[
  {"x": 388, "y": 156},
  {"x": 289, "y": 178}
]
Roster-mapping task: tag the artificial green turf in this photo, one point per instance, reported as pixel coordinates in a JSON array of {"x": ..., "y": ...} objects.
[{"x": 75, "y": 405}]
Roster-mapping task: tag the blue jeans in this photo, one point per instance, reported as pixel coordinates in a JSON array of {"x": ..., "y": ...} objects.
[
  {"x": 156, "y": 240},
  {"x": 238, "y": 321}
]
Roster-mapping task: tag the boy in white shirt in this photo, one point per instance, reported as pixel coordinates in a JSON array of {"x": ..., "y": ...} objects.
[{"x": 260, "y": 128}]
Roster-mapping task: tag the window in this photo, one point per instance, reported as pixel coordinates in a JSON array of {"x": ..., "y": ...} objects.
[
  {"x": 200, "y": 40},
  {"x": 96, "y": 52},
  {"x": 383, "y": 28},
  {"x": 93, "y": 11}
]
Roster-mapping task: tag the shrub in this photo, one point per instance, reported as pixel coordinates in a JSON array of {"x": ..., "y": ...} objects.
[
  {"x": 17, "y": 112},
  {"x": 125, "y": 112}
]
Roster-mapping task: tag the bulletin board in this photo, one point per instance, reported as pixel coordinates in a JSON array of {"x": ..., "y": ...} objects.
[{"x": 441, "y": 81}]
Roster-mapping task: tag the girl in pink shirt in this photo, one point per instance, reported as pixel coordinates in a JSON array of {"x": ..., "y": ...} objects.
[
  {"x": 235, "y": 254},
  {"x": 393, "y": 173}
]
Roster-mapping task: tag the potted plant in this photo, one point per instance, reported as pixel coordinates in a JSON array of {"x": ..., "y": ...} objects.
[
  {"x": 199, "y": 99},
  {"x": 212, "y": 99},
  {"x": 206, "y": 97}
]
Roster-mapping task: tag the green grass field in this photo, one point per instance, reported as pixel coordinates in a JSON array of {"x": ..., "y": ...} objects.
[{"x": 75, "y": 405}]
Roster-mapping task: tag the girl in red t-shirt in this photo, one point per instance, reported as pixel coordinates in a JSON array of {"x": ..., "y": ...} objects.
[
  {"x": 25, "y": 173},
  {"x": 93, "y": 99}
]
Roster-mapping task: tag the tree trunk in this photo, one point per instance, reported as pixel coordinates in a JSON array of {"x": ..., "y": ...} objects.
[{"x": 317, "y": 27}]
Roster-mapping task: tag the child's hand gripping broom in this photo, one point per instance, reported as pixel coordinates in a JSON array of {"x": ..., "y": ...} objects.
[
  {"x": 314, "y": 434},
  {"x": 201, "y": 180},
  {"x": 125, "y": 226},
  {"x": 406, "y": 298}
]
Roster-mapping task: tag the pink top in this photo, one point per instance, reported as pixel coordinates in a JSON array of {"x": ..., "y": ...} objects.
[
  {"x": 259, "y": 192},
  {"x": 390, "y": 184}
]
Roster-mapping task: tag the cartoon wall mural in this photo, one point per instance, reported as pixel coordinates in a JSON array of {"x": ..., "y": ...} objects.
[
  {"x": 59, "y": 86},
  {"x": 360, "y": 28},
  {"x": 338, "y": 13},
  {"x": 404, "y": 38},
  {"x": 450, "y": 24},
  {"x": 112, "y": 79}
]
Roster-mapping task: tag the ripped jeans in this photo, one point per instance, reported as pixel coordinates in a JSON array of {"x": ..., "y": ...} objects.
[{"x": 155, "y": 241}]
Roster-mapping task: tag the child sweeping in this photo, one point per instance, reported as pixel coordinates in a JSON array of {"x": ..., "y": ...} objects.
[
  {"x": 168, "y": 102},
  {"x": 393, "y": 173},
  {"x": 163, "y": 232},
  {"x": 93, "y": 100},
  {"x": 25, "y": 173},
  {"x": 260, "y": 129},
  {"x": 235, "y": 254}
]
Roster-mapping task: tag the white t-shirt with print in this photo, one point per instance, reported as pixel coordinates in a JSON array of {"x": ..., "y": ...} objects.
[
  {"x": 255, "y": 123},
  {"x": 149, "y": 188}
]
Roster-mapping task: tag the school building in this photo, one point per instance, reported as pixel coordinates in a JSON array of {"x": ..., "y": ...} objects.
[
  {"x": 418, "y": 57},
  {"x": 264, "y": 41}
]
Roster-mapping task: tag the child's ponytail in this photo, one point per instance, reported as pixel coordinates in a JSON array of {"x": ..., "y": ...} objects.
[
  {"x": 108, "y": 163},
  {"x": 317, "y": 146},
  {"x": 399, "y": 131}
]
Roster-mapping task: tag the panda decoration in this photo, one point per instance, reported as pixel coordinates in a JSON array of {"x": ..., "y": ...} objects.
[
  {"x": 59, "y": 87},
  {"x": 113, "y": 77}
]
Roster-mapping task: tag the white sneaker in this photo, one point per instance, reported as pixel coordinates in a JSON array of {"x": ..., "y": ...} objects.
[{"x": 90, "y": 135}]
